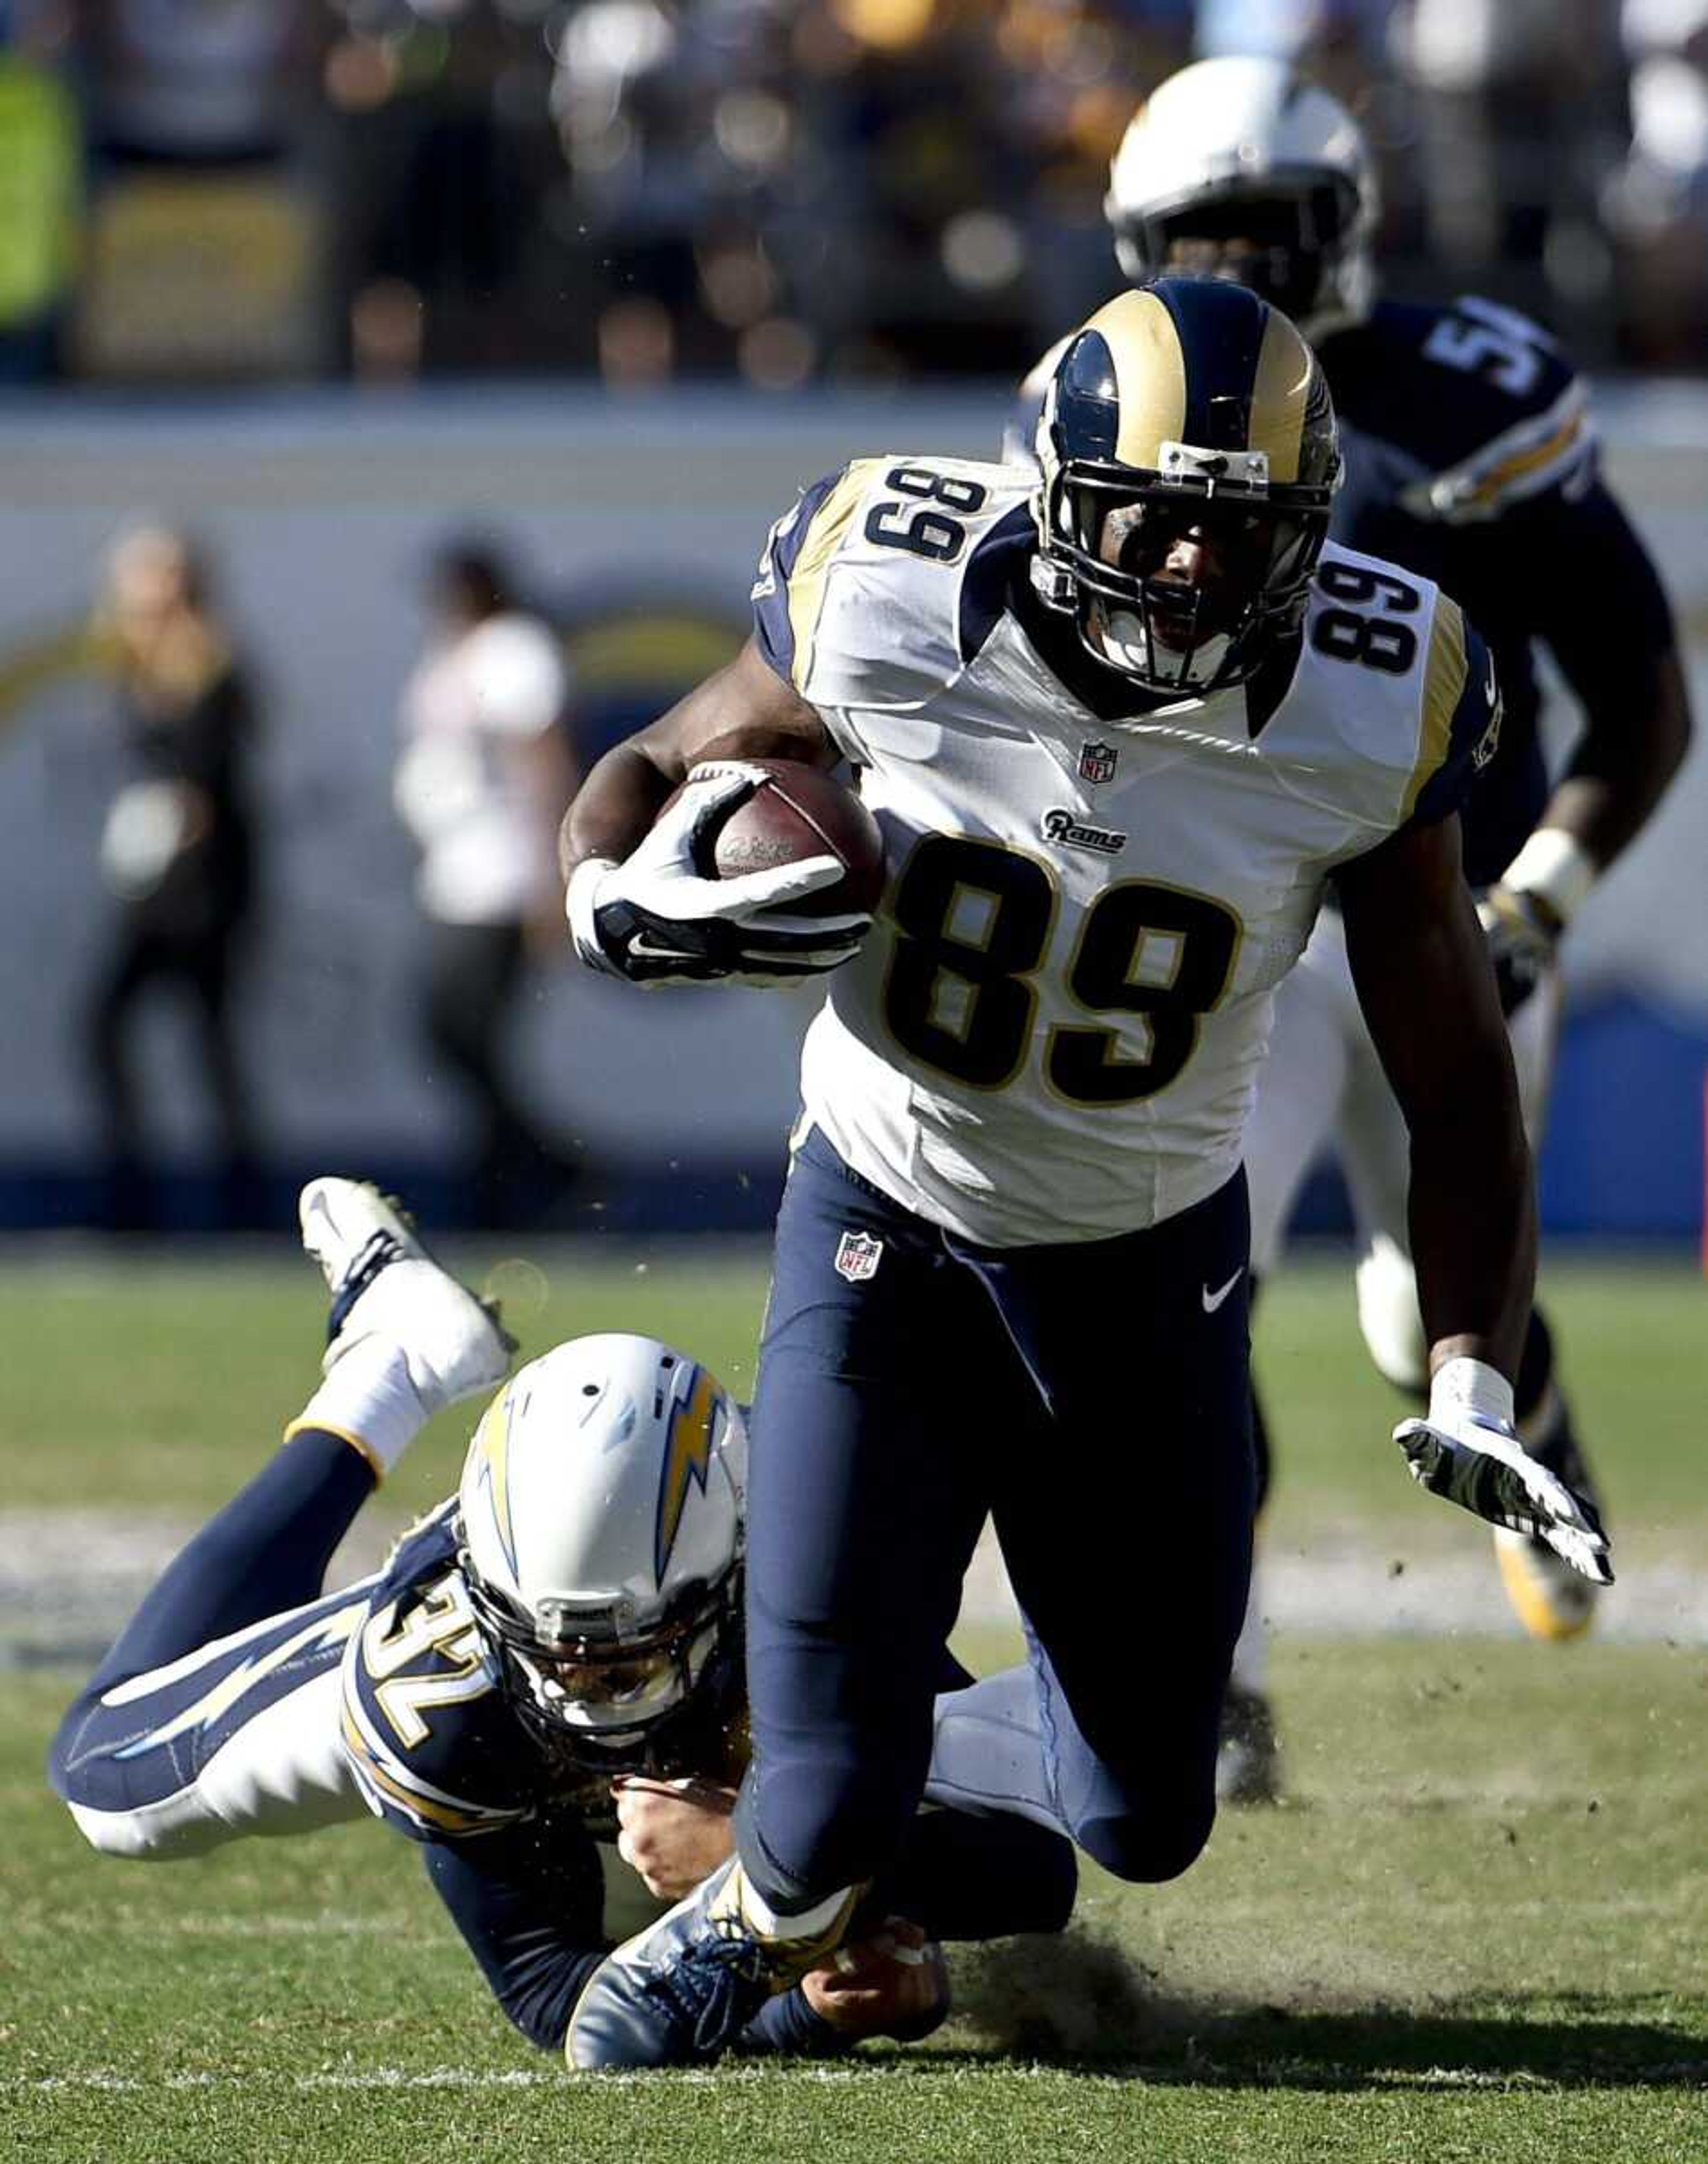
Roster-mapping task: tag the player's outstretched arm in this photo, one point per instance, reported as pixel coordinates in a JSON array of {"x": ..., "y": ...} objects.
[
  {"x": 1598, "y": 603},
  {"x": 1427, "y": 989},
  {"x": 637, "y": 903}
]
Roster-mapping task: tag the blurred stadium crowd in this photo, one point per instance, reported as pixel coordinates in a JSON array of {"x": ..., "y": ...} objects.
[{"x": 773, "y": 190}]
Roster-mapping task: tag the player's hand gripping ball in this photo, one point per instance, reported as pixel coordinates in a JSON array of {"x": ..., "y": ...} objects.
[
  {"x": 895, "y": 1983},
  {"x": 755, "y": 871},
  {"x": 796, "y": 813}
]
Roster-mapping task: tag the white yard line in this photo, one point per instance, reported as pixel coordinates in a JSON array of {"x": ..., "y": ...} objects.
[
  {"x": 68, "y": 1579},
  {"x": 1277, "y": 2073}
]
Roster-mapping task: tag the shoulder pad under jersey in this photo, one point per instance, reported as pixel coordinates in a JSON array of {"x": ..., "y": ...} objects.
[
  {"x": 1400, "y": 678},
  {"x": 1482, "y": 408},
  {"x": 433, "y": 1742},
  {"x": 872, "y": 592}
]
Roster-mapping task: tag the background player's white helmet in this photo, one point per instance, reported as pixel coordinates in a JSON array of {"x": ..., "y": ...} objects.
[
  {"x": 601, "y": 1507},
  {"x": 1269, "y": 172}
]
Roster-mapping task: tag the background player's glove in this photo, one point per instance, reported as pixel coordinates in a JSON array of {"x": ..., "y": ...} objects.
[
  {"x": 1464, "y": 1448},
  {"x": 1522, "y": 933},
  {"x": 656, "y": 921}
]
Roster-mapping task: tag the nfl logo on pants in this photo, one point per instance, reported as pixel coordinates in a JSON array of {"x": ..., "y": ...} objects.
[{"x": 857, "y": 1257}]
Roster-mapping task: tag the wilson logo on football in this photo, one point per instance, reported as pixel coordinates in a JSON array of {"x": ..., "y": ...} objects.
[{"x": 857, "y": 1255}]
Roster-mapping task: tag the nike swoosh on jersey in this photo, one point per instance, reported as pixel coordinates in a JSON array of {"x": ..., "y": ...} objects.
[{"x": 1212, "y": 1300}]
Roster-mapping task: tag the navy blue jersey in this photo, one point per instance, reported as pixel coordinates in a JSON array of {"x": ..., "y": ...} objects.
[{"x": 1471, "y": 457}]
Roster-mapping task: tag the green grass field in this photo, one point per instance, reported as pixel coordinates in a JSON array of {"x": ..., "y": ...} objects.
[{"x": 1476, "y": 1930}]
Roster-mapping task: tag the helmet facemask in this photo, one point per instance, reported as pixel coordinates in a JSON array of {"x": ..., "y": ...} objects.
[
  {"x": 580, "y": 1680},
  {"x": 1290, "y": 239},
  {"x": 1119, "y": 544}
]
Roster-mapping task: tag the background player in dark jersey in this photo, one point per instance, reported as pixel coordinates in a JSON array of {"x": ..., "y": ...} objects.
[
  {"x": 1471, "y": 457},
  {"x": 543, "y": 1685}
]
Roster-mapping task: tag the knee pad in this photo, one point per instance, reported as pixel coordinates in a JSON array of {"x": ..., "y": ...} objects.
[{"x": 1388, "y": 1316}]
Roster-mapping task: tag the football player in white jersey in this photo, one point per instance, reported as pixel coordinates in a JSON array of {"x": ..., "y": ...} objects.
[
  {"x": 1471, "y": 456},
  {"x": 1121, "y": 730},
  {"x": 543, "y": 1685}
]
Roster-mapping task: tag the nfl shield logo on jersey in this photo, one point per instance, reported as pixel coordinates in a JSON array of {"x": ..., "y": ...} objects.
[
  {"x": 1097, "y": 762},
  {"x": 857, "y": 1255}
]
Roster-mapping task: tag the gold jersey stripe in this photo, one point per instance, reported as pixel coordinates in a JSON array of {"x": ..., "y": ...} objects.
[
  {"x": 811, "y": 572},
  {"x": 1443, "y": 687},
  {"x": 1280, "y": 394},
  {"x": 1150, "y": 374},
  {"x": 444, "y": 1816},
  {"x": 1526, "y": 462}
]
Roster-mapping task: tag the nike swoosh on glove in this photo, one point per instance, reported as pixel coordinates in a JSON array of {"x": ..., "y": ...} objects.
[
  {"x": 656, "y": 920},
  {"x": 1522, "y": 933},
  {"x": 1464, "y": 1449}
]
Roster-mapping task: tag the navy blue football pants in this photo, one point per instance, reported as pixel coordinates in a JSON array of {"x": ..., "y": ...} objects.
[{"x": 1092, "y": 1399}]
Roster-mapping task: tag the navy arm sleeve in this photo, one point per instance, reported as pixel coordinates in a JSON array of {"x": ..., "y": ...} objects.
[
  {"x": 529, "y": 1904},
  {"x": 1591, "y": 592}
]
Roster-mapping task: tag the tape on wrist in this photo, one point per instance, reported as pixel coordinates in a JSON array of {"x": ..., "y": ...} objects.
[
  {"x": 1556, "y": 869},
  {"x": 1470, "y": 1387}
]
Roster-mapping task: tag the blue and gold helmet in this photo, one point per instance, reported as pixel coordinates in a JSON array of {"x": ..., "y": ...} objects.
[{"x": 1189, "y": 459}]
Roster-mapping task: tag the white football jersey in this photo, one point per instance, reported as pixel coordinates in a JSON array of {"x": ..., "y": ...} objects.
[{"x": 1053, "y": 1031}]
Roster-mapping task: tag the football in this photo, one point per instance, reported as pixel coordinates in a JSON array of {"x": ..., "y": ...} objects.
[{"x": 801, "y": 812}]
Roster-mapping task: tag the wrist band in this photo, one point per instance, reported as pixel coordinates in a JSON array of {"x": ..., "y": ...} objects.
[
  {"x": 1464, "y": 1385},
  {"x": 1556, "y": 869}
]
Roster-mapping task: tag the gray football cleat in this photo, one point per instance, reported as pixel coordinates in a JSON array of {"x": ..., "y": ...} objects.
[{"x": 385, "y": 1284}]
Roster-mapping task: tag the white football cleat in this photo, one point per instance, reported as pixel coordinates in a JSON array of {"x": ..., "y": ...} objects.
[{"x": 385, "y": 1285}]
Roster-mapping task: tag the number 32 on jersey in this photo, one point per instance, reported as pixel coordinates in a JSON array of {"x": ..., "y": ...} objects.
[{"x": 974, "y": 922}]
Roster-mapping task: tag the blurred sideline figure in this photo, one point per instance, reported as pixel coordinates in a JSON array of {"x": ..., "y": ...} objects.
[
  {"x": 1470, "y": 457},
  {"x": 482, "y": 780},
  {"x": 176, "y": 851},
  {"x": 541, "y": 1686}
]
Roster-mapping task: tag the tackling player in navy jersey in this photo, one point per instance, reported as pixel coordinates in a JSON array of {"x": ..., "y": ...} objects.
[
  {"x": 543, "y": 1685},
  {"x": 1121, "y": 730},
  {"x": 1470, "y": 458}
]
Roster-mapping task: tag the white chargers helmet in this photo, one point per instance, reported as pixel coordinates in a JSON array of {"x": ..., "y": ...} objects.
[
  {"x": 1241, "y": 169},
  {"x": 601, "y": 1515}
]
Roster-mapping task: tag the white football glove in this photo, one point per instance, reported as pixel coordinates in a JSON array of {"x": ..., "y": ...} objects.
[
  {"x": 1522, "y": 933},
  {"x": 1464, "y": 1448},
  {"x": 656, "y": 920}
]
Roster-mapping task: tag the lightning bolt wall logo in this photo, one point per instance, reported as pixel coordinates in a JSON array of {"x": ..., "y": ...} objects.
[{"x": 687, "y": 1457}]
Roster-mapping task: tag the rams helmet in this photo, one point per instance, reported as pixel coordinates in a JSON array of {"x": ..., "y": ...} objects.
[
  {"x": 1259, "y": 177},
  {"x": 602, "y": 1536},
  {"x": 1189, "y": 459}
]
